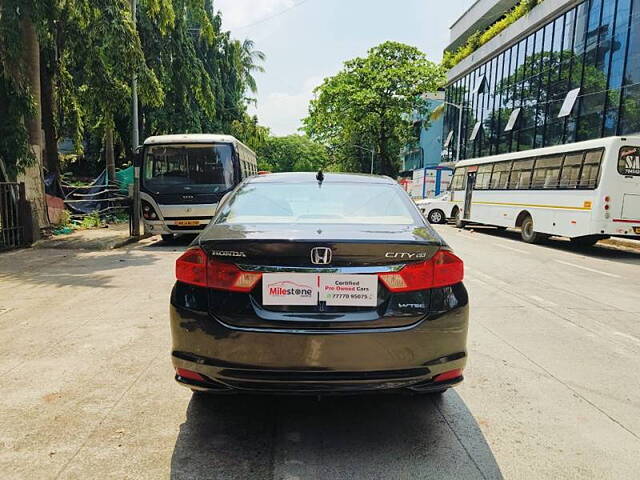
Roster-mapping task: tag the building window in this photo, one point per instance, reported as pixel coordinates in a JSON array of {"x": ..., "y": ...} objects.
[{"x": 576, "y": 77}]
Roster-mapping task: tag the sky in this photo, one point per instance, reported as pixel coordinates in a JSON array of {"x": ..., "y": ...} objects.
[{"x": 308, "y": 40}]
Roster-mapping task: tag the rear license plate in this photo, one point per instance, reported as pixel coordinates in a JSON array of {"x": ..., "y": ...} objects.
[
  {"x": 311, "y": 288},
  {"x": 187, "y": 223},
  {"x": 636, "y": 230}
]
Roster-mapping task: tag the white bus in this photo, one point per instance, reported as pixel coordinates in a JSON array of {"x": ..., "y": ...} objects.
[
  {"x": 586, "y": 191},
  {"x": 183, "y": 177}
]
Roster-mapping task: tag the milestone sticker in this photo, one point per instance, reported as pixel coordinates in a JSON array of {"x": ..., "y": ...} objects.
[
  {"x": 349, "y": 290},
  {"x": 289, "y": 289}
]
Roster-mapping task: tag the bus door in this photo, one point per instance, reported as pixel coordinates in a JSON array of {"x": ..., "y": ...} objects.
[{"x": 471, "y": 181}]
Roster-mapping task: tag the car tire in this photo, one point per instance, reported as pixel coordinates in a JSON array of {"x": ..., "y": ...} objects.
[
  {"x": 528, "y": 233},
  {"x": 167, "y": 237},
  {"x": 436, "y": 216}
]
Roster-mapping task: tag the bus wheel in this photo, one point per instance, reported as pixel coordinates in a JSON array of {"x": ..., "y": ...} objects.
[
  {"x": 527, "y": 232},
  {"x": 436, "y": 216},
  {"x": 167, "y": 237},
  {"x": 458, "y": 219},
  {"x": 587, "y": 241}
]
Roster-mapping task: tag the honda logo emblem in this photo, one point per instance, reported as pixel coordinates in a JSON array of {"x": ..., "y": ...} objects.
[{"x": 320, "y": 255}]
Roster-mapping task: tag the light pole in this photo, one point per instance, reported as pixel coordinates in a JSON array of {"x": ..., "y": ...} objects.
[
  {"x": 372, "y": 150},
  {"x": 460, "y": 108},
  {"x": 135, "y": 141}
]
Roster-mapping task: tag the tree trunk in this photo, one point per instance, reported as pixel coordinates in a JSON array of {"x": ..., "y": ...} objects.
[
  {"x": 109, "y": 155},
  {"x": 32, "y": 176},
  {"x": 48, "y": 123}
]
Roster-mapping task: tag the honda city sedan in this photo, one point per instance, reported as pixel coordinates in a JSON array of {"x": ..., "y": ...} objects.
[{"x": 310, "y": 283}]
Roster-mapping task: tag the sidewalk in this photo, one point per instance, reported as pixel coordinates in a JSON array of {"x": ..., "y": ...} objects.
[
  {"x": 114, "y": 236},
  {"x": 622, "y": 242}
]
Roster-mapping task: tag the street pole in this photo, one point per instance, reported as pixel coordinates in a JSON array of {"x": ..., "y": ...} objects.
[
  {"x": 459, "y": 135},
  {"x": 135, "y": 141},
  {"x": 373, "y": 151}
]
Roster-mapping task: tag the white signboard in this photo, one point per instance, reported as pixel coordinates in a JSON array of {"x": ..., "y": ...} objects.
[
  {"x": 349, "y": 290},
  {"x": 290, "y": 289}
]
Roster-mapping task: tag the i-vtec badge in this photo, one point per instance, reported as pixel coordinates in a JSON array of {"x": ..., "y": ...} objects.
[
  {"x": 406, "y": 255},
  {"x": 227, "y": 253}
]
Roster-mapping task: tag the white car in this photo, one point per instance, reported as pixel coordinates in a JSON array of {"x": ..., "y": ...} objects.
[{"x": 437, "y": 210}]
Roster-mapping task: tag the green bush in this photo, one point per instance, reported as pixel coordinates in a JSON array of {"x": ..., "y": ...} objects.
[{"x": 475, "y": 41}]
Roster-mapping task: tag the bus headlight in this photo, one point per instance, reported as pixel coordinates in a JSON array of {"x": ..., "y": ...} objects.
[{"x": 148, "y": 211}]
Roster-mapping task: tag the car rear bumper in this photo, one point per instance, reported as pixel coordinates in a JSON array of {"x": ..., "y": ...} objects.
[{"x": 232, "y": 360}]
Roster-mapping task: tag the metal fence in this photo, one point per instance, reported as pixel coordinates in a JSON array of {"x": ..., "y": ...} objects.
[{"x": 12, "y": 213}]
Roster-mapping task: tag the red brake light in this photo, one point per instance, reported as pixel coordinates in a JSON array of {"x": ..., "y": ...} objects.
[
  {"x": 441, "y": 270},
  {"x": 450, "y": 375},
  {"x": 194, "y": 268},
  {"x": 226, "y": 276},
  {"x": 191, "y": 267}
]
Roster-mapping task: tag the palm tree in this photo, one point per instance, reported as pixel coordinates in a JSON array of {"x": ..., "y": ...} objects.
[{"x": 250, "y": 60}]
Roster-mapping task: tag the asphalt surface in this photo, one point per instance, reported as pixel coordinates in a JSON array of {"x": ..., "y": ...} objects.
[{"x": 552, "y": 387}]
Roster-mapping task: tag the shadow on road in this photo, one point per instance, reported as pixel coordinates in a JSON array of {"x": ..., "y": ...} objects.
[
  {"x": 600, "y": 250},
  {"x": 178, "y": 244},
  {"x": 389, "y": 436},
  {"x": 68, "y": 267}
]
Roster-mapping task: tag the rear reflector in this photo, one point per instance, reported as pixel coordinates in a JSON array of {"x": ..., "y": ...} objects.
[
  {"x": 450, "y": 375},
  {"x": 190, "y": 375},
  {"x": 441, "y": 270},
  {"x": 194, "y": 268}
]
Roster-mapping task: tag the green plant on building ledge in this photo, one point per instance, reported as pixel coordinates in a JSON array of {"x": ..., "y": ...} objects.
[{"x": 479, "y": 38}]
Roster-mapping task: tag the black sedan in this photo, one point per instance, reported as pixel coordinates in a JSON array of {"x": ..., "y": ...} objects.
[{"x": 319, "y": 284}]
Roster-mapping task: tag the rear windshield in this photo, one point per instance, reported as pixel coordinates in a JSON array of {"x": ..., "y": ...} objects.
[
  {"x": 629, "y": 161},
  {"x": 194, "y": 168},
  {"x": 311, "y": 203}
]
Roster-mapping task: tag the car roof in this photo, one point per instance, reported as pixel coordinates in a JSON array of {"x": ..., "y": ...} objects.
[{"x": 329, "y": 177}]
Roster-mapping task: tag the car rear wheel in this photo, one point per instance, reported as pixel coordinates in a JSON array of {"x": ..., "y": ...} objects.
[
  {"x": 436, "y": 216},
  {"x": 528, "y": 233}
]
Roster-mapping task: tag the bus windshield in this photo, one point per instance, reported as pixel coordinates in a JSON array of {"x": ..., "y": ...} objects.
[{"x": 195, "y": 168}]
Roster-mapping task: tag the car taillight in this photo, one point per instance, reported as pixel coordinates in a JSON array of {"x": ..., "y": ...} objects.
[
  {"x": 441, "y": 270},
  {"x": 226, "y": 276},
  {"x": 191, "y": 267},
  {"x": 194, "y": 268}
]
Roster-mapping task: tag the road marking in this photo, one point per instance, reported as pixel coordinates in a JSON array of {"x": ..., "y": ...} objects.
[
  {"x": 512, "y": 249},
  {"x": 593, "y": 270},
  {"x": 543, "y": 301}
]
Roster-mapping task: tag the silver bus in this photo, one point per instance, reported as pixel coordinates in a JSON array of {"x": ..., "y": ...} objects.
[{"x": 183, "y": 177}]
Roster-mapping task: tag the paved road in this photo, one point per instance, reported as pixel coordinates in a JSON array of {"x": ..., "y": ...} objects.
[{"x": 552, "y": 386}]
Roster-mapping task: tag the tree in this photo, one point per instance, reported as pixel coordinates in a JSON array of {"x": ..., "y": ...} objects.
[
  {"x": 367, "y": 104},
  {"x": 293, "y": 153}
]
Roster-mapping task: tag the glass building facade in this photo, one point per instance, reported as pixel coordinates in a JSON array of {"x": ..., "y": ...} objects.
[{"x": 513, "y": 100}]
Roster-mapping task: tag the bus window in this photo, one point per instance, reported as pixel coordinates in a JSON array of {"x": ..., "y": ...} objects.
[
  {"x": 500, "y": 176},
  {"x": 521, "y": 174},
  {"x": 547, "y": 172},
  {"x": 590, "y": 169},
  {"x": 571, "y": 170},
  {"x": 483, "y": 177},
  {"x": 457, "y": 182}
]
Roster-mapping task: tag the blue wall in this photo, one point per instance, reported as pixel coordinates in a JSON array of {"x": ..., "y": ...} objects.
[{"x": 430, "y": 142}]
